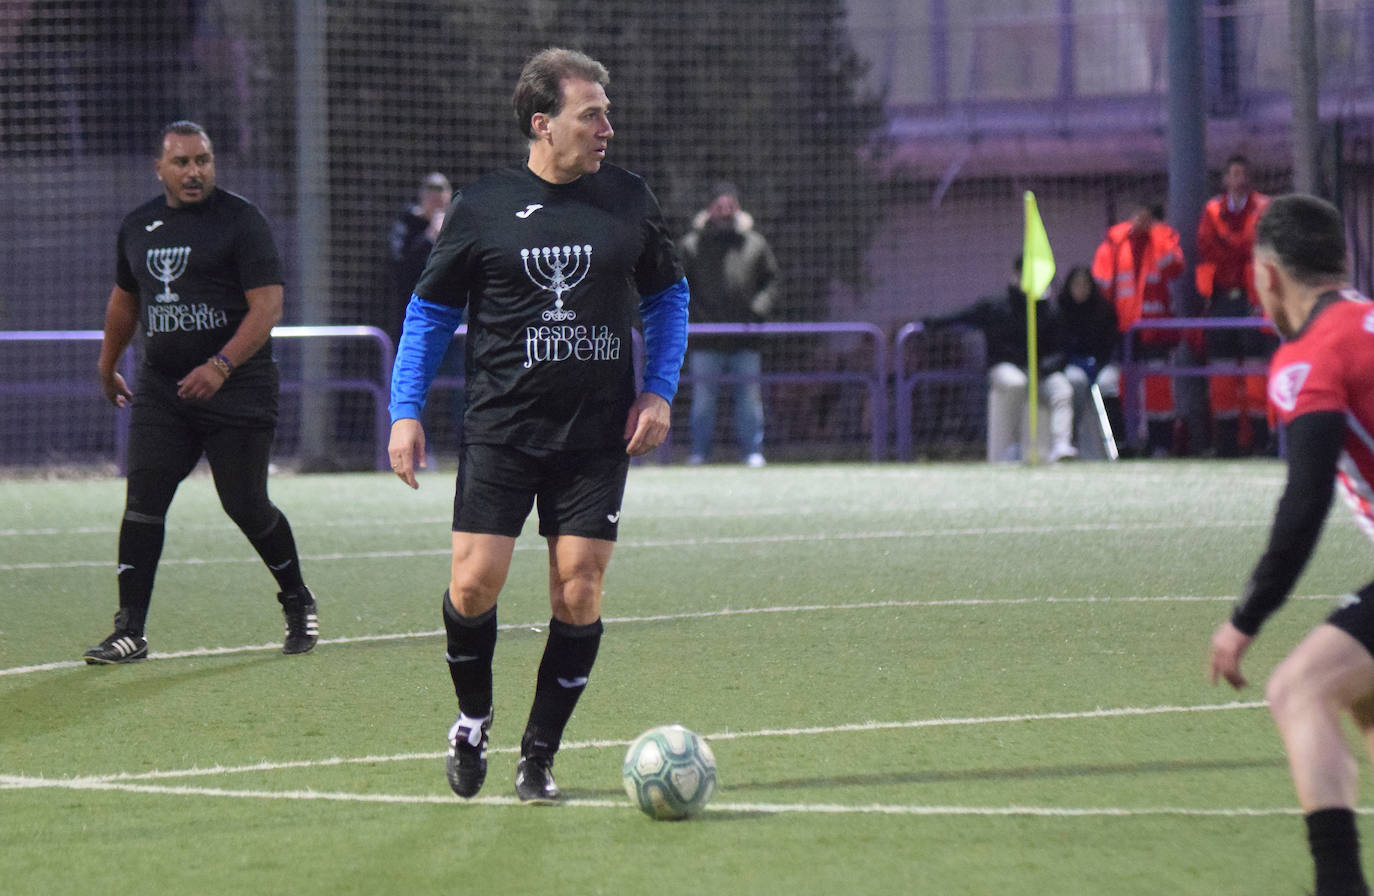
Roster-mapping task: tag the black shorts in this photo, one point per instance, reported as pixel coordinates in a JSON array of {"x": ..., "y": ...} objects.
[
  {"x": 168, "y": 435},
  {"x": 167, "y": 432},
  {"x": 577, "y": 492},
  {"x": 249, "y": 402},
  {"x": 1355, "y": 617}
]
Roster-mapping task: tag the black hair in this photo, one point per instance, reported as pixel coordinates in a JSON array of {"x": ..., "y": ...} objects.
[
  {"x": 1308, "y": 236},
  {"x": 182, "y": 128}
]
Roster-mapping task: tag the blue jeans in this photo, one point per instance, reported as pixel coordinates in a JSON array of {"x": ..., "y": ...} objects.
[{"x": 707, "y": 367}]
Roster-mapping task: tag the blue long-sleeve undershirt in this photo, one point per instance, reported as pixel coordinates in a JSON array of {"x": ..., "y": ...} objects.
[
  {"x": 665, "y": 338},
  {"x": 424, "y": 340},
  {"x": 429, "y": 329}
]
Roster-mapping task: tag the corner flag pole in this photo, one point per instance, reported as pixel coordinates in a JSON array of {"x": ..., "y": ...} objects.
[{"x": 1037, "y": 272}]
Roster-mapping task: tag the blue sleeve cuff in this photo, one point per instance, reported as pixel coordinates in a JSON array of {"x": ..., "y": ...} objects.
[
  {"x": 665, "y": 338},
  {"x": 425, "y": 338}
]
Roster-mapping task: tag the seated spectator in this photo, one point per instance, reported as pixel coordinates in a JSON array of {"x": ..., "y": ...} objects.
[
  {"x": 1002, "y": 319},
  {"x": 1089, "y": 339}
]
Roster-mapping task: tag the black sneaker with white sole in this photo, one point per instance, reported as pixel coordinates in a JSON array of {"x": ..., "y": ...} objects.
[
  {"x": 466, "y": 765},
  {"x": 534, "y": 783},
  {"x": 119, "y": 647},
  {"x": 302, "y": 623}
]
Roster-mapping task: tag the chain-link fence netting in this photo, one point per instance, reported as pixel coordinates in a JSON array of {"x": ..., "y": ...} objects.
[{"x": 881, "y": 147}]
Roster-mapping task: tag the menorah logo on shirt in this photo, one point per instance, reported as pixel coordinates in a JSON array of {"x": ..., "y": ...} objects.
[
  {"x": 167, "y": 265},
  {"x": 557, "y": 270}
]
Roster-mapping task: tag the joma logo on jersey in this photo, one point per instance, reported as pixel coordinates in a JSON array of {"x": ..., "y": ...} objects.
[
  {"x": 557, "y": 269},
  {"x": 570, "y": 343},
  {"x": 167, "y": 265},
  {"x": 1286, "y": 383}
]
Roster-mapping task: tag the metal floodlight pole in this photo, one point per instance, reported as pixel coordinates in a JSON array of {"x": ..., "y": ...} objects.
[
  {"x": 1187, "y": 129},
  {"x": 312, "y": 217},
  {"x": 1302, "y": 28},
  {"x": 1187, "y": 139}
]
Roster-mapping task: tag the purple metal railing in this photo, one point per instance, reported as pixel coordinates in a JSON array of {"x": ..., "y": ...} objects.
[
  {"x": 1133, "y": 372},
  {"x": 874, "y": 379},
  {"x": 86, "y": 387},
  {"x": 905, "y": 382},
  {"x": 379, "y": 389}
]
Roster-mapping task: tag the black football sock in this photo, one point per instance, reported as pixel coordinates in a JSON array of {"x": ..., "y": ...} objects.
[
  {"x": 277, "y": 548},
  {"x": 1335, "y": 845},
  {"x": 140, "y": 548},
  {"x": 569, "y": 655},
  {"x": 471, "y": 646}
]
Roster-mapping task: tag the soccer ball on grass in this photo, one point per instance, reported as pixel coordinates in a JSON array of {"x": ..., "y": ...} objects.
[{"x": 669, "y": 772}]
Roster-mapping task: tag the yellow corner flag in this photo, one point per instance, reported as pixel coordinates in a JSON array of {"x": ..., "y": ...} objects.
[
  {"x": 1037, "y": 272},
  {"x": 1037, "y": 260}
]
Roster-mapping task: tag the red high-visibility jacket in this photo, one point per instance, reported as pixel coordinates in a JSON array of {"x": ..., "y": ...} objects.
[
  {"x": 1145, "y": 295},
  {"x": 1225, "y": 241}
]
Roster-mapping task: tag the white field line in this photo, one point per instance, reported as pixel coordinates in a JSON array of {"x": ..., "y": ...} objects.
[
  {"x": 426, "y": 522},
  {"x": 630, "y": 544},
  {"x": 137, "y": 783},
  {"x": 10, "y": 782},
  {"x": 654, "y": 510},
  {"x": 673, "y": 617},
  {"x": 716, "y": 737}
]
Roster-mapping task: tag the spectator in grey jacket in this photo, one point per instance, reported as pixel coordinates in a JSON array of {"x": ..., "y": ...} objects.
[{"x": 733, "y": 276}]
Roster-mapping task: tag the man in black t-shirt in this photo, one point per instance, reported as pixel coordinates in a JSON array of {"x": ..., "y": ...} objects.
[
  {"x": 198, "y": 271},
  {"x": 550, "y": 259}
]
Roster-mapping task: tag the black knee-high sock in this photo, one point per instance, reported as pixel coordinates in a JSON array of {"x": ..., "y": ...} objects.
[
  {"x": 277, "y": 548},
  {"x": 471, "y": 646},
  {"x": 140, "y": 548},
  {"x": 1335, "y": 845},
  {"x": 569, "y": 655}
]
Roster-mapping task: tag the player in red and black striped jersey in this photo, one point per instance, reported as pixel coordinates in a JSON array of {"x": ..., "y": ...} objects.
[
  {"x": 552, "y": 260},
  {"x": 198, "y": 272},
  {"x": 1321, "y": 383}
]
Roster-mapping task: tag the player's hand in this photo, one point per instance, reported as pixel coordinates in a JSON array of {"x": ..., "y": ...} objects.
[
  {"x": 647, "y": 424},
  {"x": 116, "y": 390},
  {"x": 407, "y": 449},
  {"x": 1228, "y": 646},
  {"x": 201, "y": 383}
]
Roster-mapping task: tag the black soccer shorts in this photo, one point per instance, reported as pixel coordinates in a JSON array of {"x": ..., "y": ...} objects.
[
  {"x": 1355, "y": 616},
  {"x": 576, "y": 492},
  {"x": 168, "y": 436}
]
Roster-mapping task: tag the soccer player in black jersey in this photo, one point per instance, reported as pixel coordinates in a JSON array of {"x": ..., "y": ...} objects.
[
  {"x": 198, "y": 272},
  {"x": 551, "y": 259}
]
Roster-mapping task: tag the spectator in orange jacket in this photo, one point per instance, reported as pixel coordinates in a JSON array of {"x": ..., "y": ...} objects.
[
  {"x": 1226, "y": 281},
  {"x": 1133, "y": 267}
]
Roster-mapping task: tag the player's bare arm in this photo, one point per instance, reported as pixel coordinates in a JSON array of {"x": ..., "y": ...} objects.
[
  {"x": 647, "y": 425},
  {"x": 121, "y": 322},
  {"x": 264, "y": 313},
  {"x": 407, "y": 449}
]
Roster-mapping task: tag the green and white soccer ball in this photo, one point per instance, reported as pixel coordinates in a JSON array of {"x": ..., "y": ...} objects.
[{"x": 669, "y": 772}]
